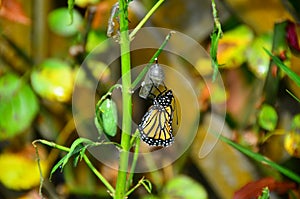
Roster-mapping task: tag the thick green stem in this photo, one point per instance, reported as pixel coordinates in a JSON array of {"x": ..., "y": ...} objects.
[{"x": 126, "y": 84}]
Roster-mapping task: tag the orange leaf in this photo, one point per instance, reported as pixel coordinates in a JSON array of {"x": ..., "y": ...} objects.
[{"x": 13, "y": 11}]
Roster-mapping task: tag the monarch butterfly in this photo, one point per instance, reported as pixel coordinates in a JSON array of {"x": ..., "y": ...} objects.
[{"x": 156, "y": 125}]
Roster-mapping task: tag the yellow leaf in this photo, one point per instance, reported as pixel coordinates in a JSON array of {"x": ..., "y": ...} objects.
[
  {"x": 232, "y": 47},
  {"x": 19, "y": 172},
  {"x": 259, "y": 15},
  {"x": 292, "y": 143}
]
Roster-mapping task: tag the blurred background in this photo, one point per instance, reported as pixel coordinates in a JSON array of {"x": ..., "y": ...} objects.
[{"x": 41, "y": 51}]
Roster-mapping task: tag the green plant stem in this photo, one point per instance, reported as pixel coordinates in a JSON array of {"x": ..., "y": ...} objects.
[
  {"x": 291, "y": 94},
  {"x": 126, "y": 94},
  {"x": 134, "y": 160},
  {"x": 144, "y": 20},
  {"x": 216, "y": 35},
  {"x": 109, "y": 93},
  {"x": 88, "y": 162},
  {"x": 99, "y": 175},
  {"x": 141, "y": 182},
  {"x": 40, "y": 169}
]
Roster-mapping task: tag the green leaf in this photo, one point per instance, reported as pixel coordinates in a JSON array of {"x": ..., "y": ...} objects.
[
  {"x": 94, "y": 39},
  {"x": 295, "y": 126},
  {"x": 258, "y": 61},
  {"x": 265, "y": 194},
  {"x": 53, "y": 79},
  {"x": 150, "y": 197},
  {"x": 79, "y": 145},
  {"x": 287, "y": 70},
  {"x": 262, "y": 159},
  {"x": 107, "y": 117},
  {"x": 18, "y": 106},
  {"x": 293, "y": 96},
  {"x": 61, "y": 24},
  {"x": 267, "y": 118},
  {"x": 185, "y": 188},
  {"x": 57, "y": 165},
  {"x": 75, "y": 148}
]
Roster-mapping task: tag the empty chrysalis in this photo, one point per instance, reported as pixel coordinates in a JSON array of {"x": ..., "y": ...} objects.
[
  {"x": 154, "y": 77},
  {"x": 113, "y": 19}
]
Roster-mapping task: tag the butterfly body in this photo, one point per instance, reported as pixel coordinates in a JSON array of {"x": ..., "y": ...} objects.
[{"x": 156, "y": 125}]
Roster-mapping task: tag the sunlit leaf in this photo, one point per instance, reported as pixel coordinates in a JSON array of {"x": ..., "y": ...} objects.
[
  {"x": 84, "y": 3},
  {"x": 232, "y": 47},
  {"x": 256, "y": 57},
  {"x": 259, "y": 15},
  {"x": 53, "y": 80},
  {"x": 150, "y": 197},
  {"x": 19, "y": 171},
  {"x": 94, "y": 39},
  {"x": 267, "y": 117},
  {"x": 18, "y": 106},
  {"x": 185, "y": 188},
  {"x": 296, "y": 123},
  {"x": 60, "y": 22},
  {"x": 292, "y": 143}
]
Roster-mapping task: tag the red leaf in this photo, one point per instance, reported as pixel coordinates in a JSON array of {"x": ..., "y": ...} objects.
[
  {"x": 254, "y": 189},
  {"x": 291, "y": 36},
  {"x": 13, "y": 11}
]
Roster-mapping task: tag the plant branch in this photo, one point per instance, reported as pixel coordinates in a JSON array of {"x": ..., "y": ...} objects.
[
  {"x": 144, "y": 20},
  {"x": 66, "y": 149},
  {"x": 135, "y": 158},
  {"x": 216, "y": 35},
  {"x": 127, "y": 102}
]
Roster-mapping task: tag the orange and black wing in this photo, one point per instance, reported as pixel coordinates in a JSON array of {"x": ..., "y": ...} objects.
[{"x": 156, "y": 126}]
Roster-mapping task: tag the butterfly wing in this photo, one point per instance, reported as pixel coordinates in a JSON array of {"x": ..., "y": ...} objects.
[{"x": 156, "y": 126}]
